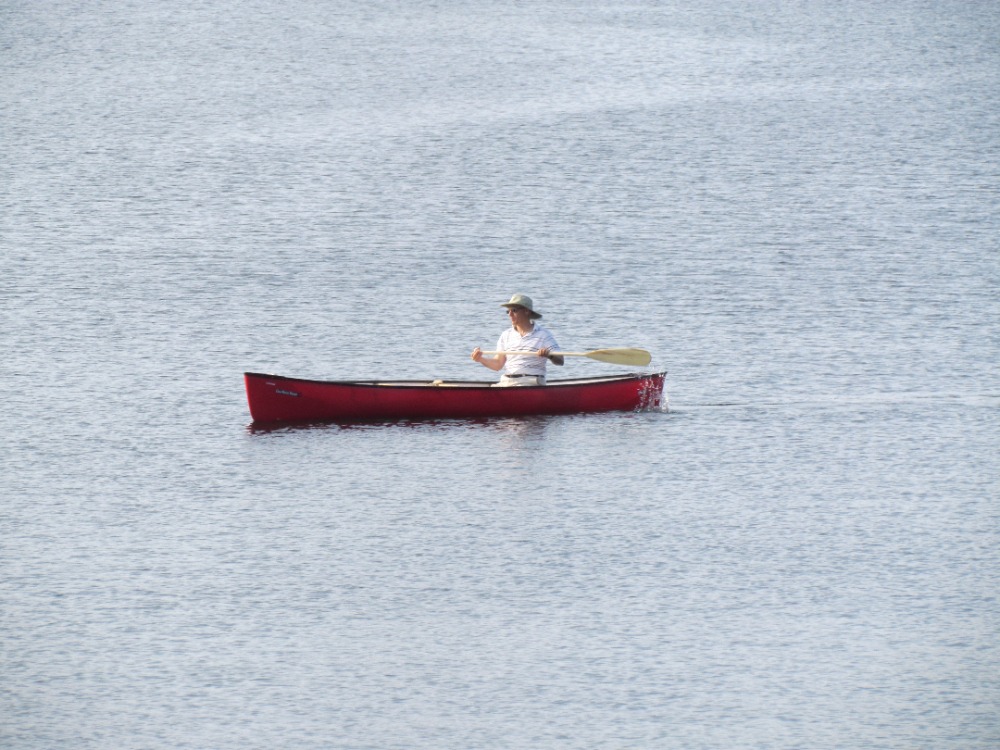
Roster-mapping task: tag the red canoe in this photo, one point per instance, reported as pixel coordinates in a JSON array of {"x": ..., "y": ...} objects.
[{"x": 274, "y": 398}]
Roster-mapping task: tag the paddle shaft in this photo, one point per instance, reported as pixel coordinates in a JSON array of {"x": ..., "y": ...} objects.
[
  {"x": 535, "y": 354},
  {"x": 616, "y": 356}
]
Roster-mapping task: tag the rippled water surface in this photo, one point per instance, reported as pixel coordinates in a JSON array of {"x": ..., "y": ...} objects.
[{"x": 793, "y": 206}]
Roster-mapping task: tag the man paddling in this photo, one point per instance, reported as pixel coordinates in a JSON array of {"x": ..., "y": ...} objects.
[{"x": 524, "y": 335}]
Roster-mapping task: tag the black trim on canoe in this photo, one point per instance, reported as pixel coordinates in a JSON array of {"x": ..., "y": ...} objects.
[{"x": 593, "y": 380}]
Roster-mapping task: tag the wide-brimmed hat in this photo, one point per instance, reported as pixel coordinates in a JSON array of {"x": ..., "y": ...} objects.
[{"x": 523, "y": 300}]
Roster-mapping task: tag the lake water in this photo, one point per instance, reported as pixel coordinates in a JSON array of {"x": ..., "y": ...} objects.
[{"x": 794, "y": 206}]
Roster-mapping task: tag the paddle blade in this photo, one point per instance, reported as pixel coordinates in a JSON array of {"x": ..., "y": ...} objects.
[{"x": 631, "y": 357}]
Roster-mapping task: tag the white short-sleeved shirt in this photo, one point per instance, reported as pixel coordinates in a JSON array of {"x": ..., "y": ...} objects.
[{"x": 539, "y": 338}]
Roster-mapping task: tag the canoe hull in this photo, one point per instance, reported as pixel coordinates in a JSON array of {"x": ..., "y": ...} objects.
[{"x": 274, "y": 399}]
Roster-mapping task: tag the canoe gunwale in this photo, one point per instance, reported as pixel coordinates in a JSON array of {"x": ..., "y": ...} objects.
[{"x": 433, "y": 384}]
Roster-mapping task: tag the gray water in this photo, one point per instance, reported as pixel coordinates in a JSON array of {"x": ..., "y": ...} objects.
[{"x": 794, "y": 206}]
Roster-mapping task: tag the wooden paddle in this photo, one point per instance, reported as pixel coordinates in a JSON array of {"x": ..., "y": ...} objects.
[{"x": 624, "y": 356}]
